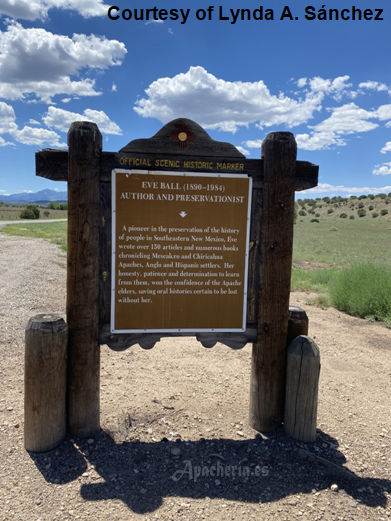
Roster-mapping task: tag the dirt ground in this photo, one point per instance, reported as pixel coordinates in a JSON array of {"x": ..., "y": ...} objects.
[{"x": 175, "y": 441}]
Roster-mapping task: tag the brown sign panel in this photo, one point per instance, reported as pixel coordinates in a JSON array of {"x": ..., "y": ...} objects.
[{"x": 180, "y": 250}]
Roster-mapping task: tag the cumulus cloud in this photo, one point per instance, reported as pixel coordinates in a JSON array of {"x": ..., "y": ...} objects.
[
  {"x": 218, "y": 104},
  {"x": 384, "y": 169},
  {"x": 301, "y": 82},
  {"x": 62, "y": 119},
  {"x": 254, "y": 143},
  {"x": 38, "y": 9},
  {"x": 386, "y": 148},
  {"x": 243, "y": 151},
  {"x": 373, "y": 85},
  {"x": 35, "y": 61},
  {"x": 319, "y": 141},
  {"x": 37, "y": 136},
  {"x": 7, "y": 118},
  {"x": 344, "y": 120},
  {"x": 4, "y": 143}
]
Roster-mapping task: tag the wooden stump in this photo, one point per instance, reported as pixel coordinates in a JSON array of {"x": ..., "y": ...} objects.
[
  {"x": 45, "y": 382},
  {"x": 85, "y": 145},
  {"x": 267, "y": 387},
  {"x": 297, "y": 323},
  {"x": 301, "y": 397}
]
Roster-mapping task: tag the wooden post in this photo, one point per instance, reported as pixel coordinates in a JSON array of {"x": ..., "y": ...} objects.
[
  {"x": 45, "y": 382},
  {"x": 267, "y": 388},
  {"x": 297, "y": 323},
  {"x": 302, "y": 379},
  {"x": 85, "y": 145}
]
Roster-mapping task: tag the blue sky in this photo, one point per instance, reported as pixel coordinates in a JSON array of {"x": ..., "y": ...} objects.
[{"x": 326, "y": 81}]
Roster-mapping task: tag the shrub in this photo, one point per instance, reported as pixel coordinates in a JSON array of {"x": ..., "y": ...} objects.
[
  {"x": 333, "y": 229},
  {"x": 353, "y": 197},
  {"x": 361, "y": 213},
  {"x": 384, "y": 212},
  {"x": 364, "y": 291},
  {"x": 375, "y": 214},
  {"x": 330, "y": 210},
  {"x": 371, "y": 196},
  {"x": 46, "y": 213},
  {"x": 371, "y": 207},
  {"x": 314, "y": 220},
  {"x": 382, "y": 196},
  {"x": 352, "y": 217},
  {"x": 326, "y": 199},
  {"x": 53, "y": 206},
  {"x": 30, "y": 212},
  {"x": 362, "y": 197},
  {"x": 302, "y": 213},
  {"x": 343, "y": 215},
  {"x": 317, "y": 215},
  {"x": 387, "y": 200},
  {"x": 361, "y": 205}
]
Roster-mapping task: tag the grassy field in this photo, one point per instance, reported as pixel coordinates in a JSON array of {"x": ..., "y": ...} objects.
[
  {"x": 56, "y": 233},
  {"x": 342, "y": 242},
  {"x": 12, "y": 213}
]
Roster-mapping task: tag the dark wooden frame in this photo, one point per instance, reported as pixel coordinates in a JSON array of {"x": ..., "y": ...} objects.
[{"x": 88, "y": 172}]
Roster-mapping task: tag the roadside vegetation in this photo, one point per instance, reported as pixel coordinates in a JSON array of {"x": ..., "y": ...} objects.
[
  {"x": 344, "y": 255},
  {"x": 56, "y": 232},
  {"x": 16, "y": 212}
]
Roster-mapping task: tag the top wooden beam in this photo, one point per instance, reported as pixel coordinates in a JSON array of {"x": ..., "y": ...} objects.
[{"x": 182, "y": 146}]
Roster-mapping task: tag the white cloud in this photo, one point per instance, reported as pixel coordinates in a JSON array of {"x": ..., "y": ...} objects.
[
  {"x": 301, "y": 82},
  {"x": 344, "y": 120},
  {"x": 38, "y": 9},
  {"x": 326, "y": 188},
  {"x": 347, "y": 119},
  {"x": 384, "y": 169},
  {"x": 7, "y": 118},
  {"x": 220, "y": 104},
  {"x": 35, "y": 61},
  {"x": 243, "y": 151},
  {"x": 254, "y": 143},
  {"x": 170, "y": 30},
  {"x": 4, "y": 143},
  {"x": 37, "y": 136},
  {"x": 62, "y": 119},
  {"x": 337, "y": 87},
  {"x": 386, "y": 148},
  {"x": 114, "y": 88},
  {"x": 373, "y": 85},
  {"x": 319, "y": 141},
  {"x": 34, "y": 122}
]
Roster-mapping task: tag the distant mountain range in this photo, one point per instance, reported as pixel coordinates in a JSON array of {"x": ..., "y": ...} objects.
[{"x": 41, "y": 197}]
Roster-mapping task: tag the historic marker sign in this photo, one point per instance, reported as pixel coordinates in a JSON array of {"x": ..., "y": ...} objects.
[{"x": 180, "y": 251}]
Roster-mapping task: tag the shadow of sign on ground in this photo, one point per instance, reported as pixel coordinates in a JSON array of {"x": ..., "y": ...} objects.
[{"x": 258, "y": 470}]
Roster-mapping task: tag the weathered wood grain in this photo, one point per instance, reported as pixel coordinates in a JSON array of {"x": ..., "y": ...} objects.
[
  {"x": 196, "y": 142},
  {"x": 85, "y": 144},
  {"x": 53, "y": 164},
  {"x": 297, "y": 323},
  {"x": 45, "y": 376},
  {"x": 302, "y": 381},
  {"x": 267, "y": 388}
]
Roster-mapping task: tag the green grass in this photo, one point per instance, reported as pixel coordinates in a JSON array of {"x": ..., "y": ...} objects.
[
  {"x": 363, "y": 290},
  {"x": 12, "y": 213},
  {"x": 354, "y": 241},
  {"x": 56, "y": 233},
  {"x": 312, "y": 280}
]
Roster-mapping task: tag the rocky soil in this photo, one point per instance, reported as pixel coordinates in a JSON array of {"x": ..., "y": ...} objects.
[{"x": 175, "y": 443}]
